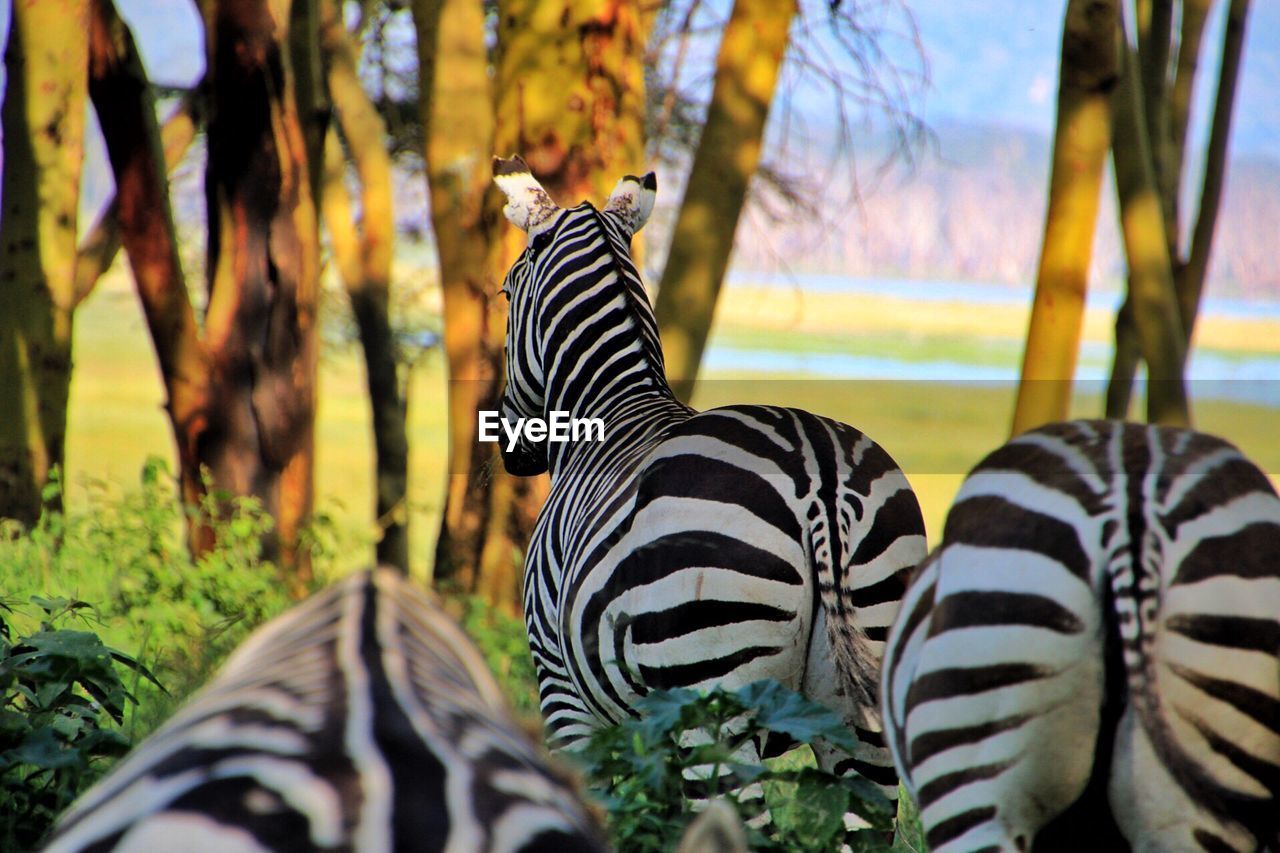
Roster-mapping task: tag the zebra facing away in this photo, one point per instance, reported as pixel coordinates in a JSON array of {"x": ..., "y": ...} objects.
[
  {"x": 361, "y": 720},
  {"x": 686, "y": 549},
  {"x": 1091, "y": 658}
]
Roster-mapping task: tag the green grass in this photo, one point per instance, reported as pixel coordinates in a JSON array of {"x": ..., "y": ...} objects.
[
  {"x": 116, "y": 420},
  {"x": 937, "y": 431},
  {"x": 905, "y": 346}
]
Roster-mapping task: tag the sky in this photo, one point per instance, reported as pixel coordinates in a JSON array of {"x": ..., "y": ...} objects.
[{"x": 989, "y": 61}]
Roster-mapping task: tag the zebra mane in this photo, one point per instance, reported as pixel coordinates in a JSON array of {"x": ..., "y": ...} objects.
[{"x": 634, "y": 293}]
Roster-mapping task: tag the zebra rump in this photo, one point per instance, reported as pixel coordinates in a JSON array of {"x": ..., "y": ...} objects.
[
  {"x": 363, "y": 719},
  {"x": 685, "y": 549},
  {"x": 1091, "y": 657}
]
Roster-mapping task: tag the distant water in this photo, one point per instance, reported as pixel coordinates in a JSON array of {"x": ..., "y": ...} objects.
[
  {"x": 1251, "y": 379},
  {"x": 974, "y": 292}
]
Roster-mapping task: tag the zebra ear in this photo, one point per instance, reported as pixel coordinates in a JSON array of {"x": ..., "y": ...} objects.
[
  {"x": 632, "y": 200},
  {"x": 528, "y": 207}
]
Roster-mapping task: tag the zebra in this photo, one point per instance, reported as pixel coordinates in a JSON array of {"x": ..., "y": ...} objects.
[
  {"x": 1091, "y": 657},
  {"x": 685, "y": 549},
  {"x": 362, "y": 719}
]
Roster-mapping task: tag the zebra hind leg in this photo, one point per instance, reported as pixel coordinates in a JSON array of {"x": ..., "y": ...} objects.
[{"x": 871, "y": 759}]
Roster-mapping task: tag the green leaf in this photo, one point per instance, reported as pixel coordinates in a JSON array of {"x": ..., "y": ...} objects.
[
  {"x": 787, "y": 712},
  {"x": 48, "y": 692},
  {"x": 138, "y": 667},
  {"x": 814, "y": 809},
  {"x": 43, "y": 749}
]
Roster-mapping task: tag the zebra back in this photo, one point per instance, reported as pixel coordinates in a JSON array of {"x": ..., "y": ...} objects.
[
  {"x": 1095, "y": 648},
  {"x": 363, "y": 719}
]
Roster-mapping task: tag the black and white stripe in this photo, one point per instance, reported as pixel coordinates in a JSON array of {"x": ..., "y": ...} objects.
[
  {"x": 363, "y": 720},
  {"x": 1092, "y": 656},
  {"x": 688, "y": 549}
]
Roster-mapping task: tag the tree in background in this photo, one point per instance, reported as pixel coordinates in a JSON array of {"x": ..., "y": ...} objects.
[
  {"x": 1166, "y": 272},
  {"x": 768, "y": 53},
  {"x": 363, "y": 253},
  {"x": 1089, "y": 72},
  {"x": 567, "y": 86},
  {"x": 1151, "y": 300},
  {"x": 43, "y": 123},
  {"x": 727, "y": 157},
  {"x": 242, "y": 387},
  {"x": 568, "y": 94}
]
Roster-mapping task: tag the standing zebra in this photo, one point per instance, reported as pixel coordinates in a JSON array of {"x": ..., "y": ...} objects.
[
  {"x": 685, "y": 549},
  {"x": 1093, "y": 653},
  {"x": 360, "y": 720}
]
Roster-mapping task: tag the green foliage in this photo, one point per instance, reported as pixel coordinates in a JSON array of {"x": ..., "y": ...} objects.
[
  {"x": 505, "y": 646},
  {"x": 126, "y": 551},
  {"x": 639, "y": 768},
  {"x": 62, "y": 702}
]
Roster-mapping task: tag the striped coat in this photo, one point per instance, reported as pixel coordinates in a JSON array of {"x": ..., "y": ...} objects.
[
  {"x": 1092, "y": 655},
  {"x": 686, "y": 549},
  {"x": 361, "y": 720}
]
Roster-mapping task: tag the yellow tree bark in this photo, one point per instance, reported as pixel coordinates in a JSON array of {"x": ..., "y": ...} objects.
[
  {"x": 570, "y": 98},
  {"x": 43, "y": 122},
  {"x": 363, "y": 253},
  {"x": 1190, "y": 265},
  {"x": 1151, "y": 298},
  {"x": 747, "y": 67},
  {"x": 456, "y": 105},
  {"x": 1089, "y": 72},
  {"x": 144, "y": 220},
  {"x": 98, "y": 248}
]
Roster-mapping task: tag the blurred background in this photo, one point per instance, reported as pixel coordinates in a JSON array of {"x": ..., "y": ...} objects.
[{"x": 904, "y": 215}]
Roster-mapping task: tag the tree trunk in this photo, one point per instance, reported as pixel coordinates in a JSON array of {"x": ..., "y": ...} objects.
[
  {"x": 1152, "y": 301},
  {"x": 456, "y": 104},
  {"x": 571, "y": 100},
  {"x": 126, "y": 111},
  {"x": 1189, "y": 273},
  {"x": 1191, "y": 279},
  {"x": 1194, "y": 15},
  {"x": 43, "y": 124},
  {"x": 260, "y": 328},
  {"x": 728, "y": 153},
  {"x": 364, "y": 257},
  {"x": 98, "y": 248},
  {"x": 1082, "y": 138}
]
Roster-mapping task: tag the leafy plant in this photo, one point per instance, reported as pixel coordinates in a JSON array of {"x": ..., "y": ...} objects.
[
  {"x": 505, "y": 646},
  {"x": 641, "y": 769},
  {"x": 62, "y": 702},
  {"x": 127, "y": 552}
]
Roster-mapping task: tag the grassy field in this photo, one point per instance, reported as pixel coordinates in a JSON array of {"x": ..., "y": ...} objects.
[
  {"x": 116, "y": 421},
  {"x": 935, "y": 430}
]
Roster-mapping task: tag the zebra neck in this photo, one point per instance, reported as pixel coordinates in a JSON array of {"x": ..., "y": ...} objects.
[{"x": 631, "y": 420}]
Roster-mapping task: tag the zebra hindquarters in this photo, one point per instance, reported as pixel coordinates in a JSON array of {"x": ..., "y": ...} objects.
[
  {"x": 1197, "y": 755},
  {"x": 363, "y": 719},
  {"x": 993, "y": 691}
]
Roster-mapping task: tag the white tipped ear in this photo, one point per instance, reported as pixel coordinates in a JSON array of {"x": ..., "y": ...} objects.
[
  {"x": 632, "y": 200},
  {"x": 528, "y": 207}
]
